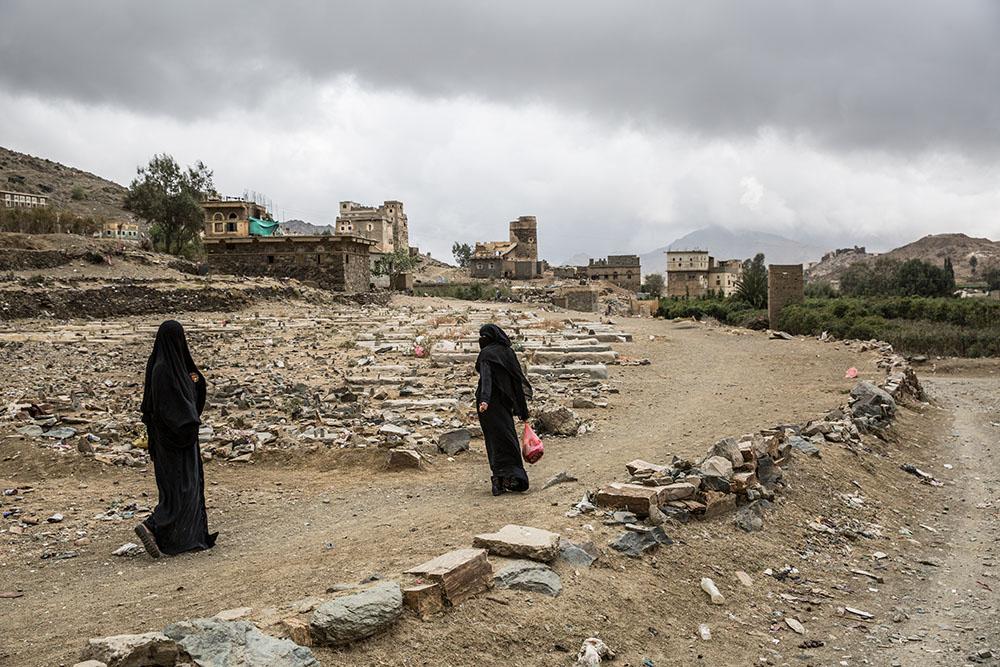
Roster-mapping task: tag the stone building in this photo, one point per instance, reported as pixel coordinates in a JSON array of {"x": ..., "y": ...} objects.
[
  {"x": 785, "y": 285},
  {"x": 233, "y": 217},
  {"x": 123, "y": 231},
  {"x": 695, "y": 273},
  {"x": 622, "y": 270},
  {"x": 11, "y": 199},
  {"x": 386, "y": 224},
  {"x": 339, "y": 262},
  {"x": 516, "y": 258}
]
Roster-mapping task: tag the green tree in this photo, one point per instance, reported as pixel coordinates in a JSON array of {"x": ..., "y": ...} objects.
[
  {"x": 654, "y": 284},
  {"x": 394, "y": 263},
  {"x": 992, "y": 277},
  {"x": 78, "y": 193},
  {"x": 973, "y": 262},
  {"x": 751, "y": 288},
  {"x": 169, "y": 199},
  {"x": 462, "y": 253}
]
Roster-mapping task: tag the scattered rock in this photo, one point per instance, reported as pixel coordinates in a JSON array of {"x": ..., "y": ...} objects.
[
  {"x": 520, "y": 542},
  {"x": 355, "y": 616},
  {"x": 592, "y": 652},
  {"x": 453, "y": 442},
  {"x": 424, "y": 599},
  {"x": 151, "y": 649},
  {"x": 233, "y": 614},
  {"x": 212, "y": 642},
  {"x": 528, "y": 575},
  {"x": 559, "y": 478},
  {"x": 717, "y": 466},
  {"x": 461, "y": 573},
  {"x": 557, "y": 421},
  {"x": 399, "y": 458},
  {"x": 795, "y": 625},
  {"x": 635, "y": 544},
  {"x": 578, "y": 555},
  {"x": 744, "y": 578}
]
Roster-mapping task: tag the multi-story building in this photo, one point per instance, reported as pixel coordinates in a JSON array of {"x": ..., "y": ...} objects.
[
  {"x": 123, "y": 231},
  {"x": 387, "y": 224},
  {"x": 695, "y": 273},
  {"x": 10, "y": 199},
  {"x": 236, "y": 217},
  {"x": 516, "y": 258},
  {"x": 622, "y": 270}
]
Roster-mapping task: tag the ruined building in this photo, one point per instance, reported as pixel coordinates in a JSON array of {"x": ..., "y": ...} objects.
[
  {"x": 695, "y": 273},
  {"x": 516, "y": 258},
  {"x": 240, "y": 239},
  {"x": 622, "y": 270},
  {"x": 386, "y": 225}
]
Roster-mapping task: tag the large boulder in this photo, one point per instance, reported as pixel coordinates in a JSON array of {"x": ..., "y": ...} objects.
[
  {"x": 526, "y": 575},
  {"x": 351, "y": 617},
  {"x": 151, "y": 649},
  {"x": 867, "y": 400},
  {"x": 557, "y": 421},
  {"x": 520, "y": 542},
  {"x": 453, "y": 442},
  {"x": 216, "y": 643}
]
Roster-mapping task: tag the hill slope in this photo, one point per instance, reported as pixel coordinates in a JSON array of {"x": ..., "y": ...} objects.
[
  {"x": 725, "y": 243},
  {"x": 933, "y": 248},
  {"x": 27, "y": 173}
]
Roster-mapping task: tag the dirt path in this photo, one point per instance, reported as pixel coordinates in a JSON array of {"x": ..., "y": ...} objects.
[{"x": 954, "y": 612}]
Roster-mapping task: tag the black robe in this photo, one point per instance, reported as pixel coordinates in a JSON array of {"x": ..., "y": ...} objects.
[
  {"x": 503, "y": 387},
  {"x": 171, "y": 409}
]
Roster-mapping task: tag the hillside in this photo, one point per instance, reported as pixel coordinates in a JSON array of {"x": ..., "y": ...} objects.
[
  {"x": 725, "y": 243},
  {"x": 933, "y": 248},
  {"x": 27, "y": 173},
  {"x": 303, "y": 228}
]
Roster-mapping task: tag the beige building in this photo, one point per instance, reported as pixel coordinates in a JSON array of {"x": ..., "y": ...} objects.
[
  {"x": 10, "y": 199},
  {"x": 516, "y": 258},
  {"x": 229, "y": 217},
  {"x": 387, "y": 224},
  {"x": 695, "y": 273},
  {"x": 622, "y": 270},
  {"x": 123, "y": 231}
]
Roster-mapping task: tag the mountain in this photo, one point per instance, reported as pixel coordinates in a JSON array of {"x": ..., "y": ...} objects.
[
  {"x": 934, "y": 248},
  {"x": 67, "y": 188},
  {"x": 303, "y": 228},
  {"x": 725, "y": 243}
]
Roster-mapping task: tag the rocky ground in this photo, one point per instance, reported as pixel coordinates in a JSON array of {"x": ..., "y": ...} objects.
[{"x": 856, "y": 562}]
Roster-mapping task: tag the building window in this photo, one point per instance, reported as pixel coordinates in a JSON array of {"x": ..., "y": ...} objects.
[
  {"x": 270, "y": 259},
  {"x": 230, "y": 226},
  {"x": 232, "y": 216},
  {"x": 216, "y": 216},
  {"x": 218, "y": 227}
]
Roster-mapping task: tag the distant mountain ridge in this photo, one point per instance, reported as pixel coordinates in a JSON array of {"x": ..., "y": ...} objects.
[
  {"x": 723, "y": 243},
  {"x": 303, "y": 228}
]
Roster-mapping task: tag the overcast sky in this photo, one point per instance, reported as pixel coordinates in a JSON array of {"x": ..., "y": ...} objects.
[{"x": 620, "y": 124}]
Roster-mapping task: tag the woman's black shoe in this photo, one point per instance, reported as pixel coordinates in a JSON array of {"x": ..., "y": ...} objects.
[{"x": 498, "y": 486}]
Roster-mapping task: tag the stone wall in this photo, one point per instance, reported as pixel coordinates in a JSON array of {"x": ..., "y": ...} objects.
[
  {"x": 581, "y": 299},
  {"x": 336, "y": 262},
  {"x": 785, "y": 285}
]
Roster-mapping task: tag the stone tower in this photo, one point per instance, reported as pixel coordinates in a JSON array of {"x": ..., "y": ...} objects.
[{"x": 524, "y": 232}]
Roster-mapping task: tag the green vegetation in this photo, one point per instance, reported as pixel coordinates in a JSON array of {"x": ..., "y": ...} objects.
[
  {"x": 394, "y": 263},
  {"x": 45, "y": 220},
  {"x": 654, "y": 284},
  {"x": 462, "y": 252},
  {"x": 730, "y": 311},
  {"x": 78, "y": 193},
  {"x": 946, "y": 326},
  {"x": 992, "y": 277},
  {"x": 169, "y": 199},
  {"x": 751, "y": 288},
  {"x": 467, "y": 291},
  {"x": 888, "y": 277}
]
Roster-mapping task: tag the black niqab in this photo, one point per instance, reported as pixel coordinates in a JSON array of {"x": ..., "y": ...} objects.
[
  {"x": 169, "y": 396},
  {"x": 495, "y": 349}
]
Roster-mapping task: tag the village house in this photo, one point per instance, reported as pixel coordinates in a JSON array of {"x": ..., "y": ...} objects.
[
  {"x": 622, "y": 270},
  {"x": 695, "y": 273},
  {"x": 11, "y": 199},
  {"x": 515, "y": 258},
  {"x": 386, "y": 225},
  {"x": 241, "y": 239},
  {"x": 121, "y": 230}
]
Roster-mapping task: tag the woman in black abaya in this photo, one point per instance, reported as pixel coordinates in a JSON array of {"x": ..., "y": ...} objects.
[
  {"x": 503, "y": 392},
  {"x": 172, "y": 401}
]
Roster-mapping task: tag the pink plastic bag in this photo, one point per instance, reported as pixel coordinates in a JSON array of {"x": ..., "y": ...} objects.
[
  {"x": 531, "y": 445},
  {"x": 419, "y": 351}
]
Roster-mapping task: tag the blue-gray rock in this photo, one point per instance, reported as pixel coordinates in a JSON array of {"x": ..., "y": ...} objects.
[
  {"x": 152, "y": 649},
  {"x": 526, "y": 575},
  {"x": 577, "y": 555},
  {"x": 351, "y": 617},
  {"x": 634, "y": 544},
  {"x": 453, "y": 442},
  {"x": 214, "y": 643},
  {"x": 807, "y": 447},
  {"x": 869, "y": 401},
  {"x": 768, "y": 474}
]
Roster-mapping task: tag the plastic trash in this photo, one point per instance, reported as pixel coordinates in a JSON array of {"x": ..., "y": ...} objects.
[
  {"x": 709, "y": 587},
  {"x": 851, "y": 373},
  {"x": 419, "y": 351},
  {"x": 531, "y": 445},
  {"x": 704, "y": 632}
]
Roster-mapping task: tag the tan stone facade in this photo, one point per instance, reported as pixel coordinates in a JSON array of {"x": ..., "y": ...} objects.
[
  {"x": 695, "y": 273},
  {"x": 124, "y": 231},
  {"x": 230, "y": 217},
  {"x": 338, "y": 262},
  {"x": 622, "y": 270},
  {"x": 386, "y": 225},
  {"x": 785, "y": 285},
  {"x": 516, "y": 258}
]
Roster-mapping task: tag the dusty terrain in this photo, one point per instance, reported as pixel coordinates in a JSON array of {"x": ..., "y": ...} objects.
[{"x": 295, "y": 522}]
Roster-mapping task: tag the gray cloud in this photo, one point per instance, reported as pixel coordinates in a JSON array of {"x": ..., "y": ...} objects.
[{"x": 904, "y": 76}]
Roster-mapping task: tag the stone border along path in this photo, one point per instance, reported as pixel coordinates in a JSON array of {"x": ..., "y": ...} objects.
[{"x": 735, "y": 471}]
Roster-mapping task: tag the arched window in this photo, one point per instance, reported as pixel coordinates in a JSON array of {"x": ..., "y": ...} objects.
[
  {"x": 232, "y": 216},
  {"x": 217, "y": 216}
]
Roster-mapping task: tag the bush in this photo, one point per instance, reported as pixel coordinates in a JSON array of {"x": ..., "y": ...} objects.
[
  {"x": 467, "y": 291},
  {"x": 45, "y": 220},
  {"x": 78, "y": 193}
]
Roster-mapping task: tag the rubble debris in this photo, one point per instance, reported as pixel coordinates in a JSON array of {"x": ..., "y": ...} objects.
[
  {"x": 425, "y": 600},
  {"x": 592, "y": 652},
  {"x": 453, "y": 442},
  {"x": 578, "y": 555},
  {"x": 520, "y": 542},
  {"x": 399, "y": 458},
  {"x": 357, "y": 615},
  {"x": 635, "y": 544},
  {"x": 561, "y": 477},
  {"x": 212, "y": 642},
  {"x": 526, "y": 575},
  {"x": 557, "y": 421},
  {"x": 461, "y": 574},
  {"x": 924, "y": 477},
  {"x": 795, "y": 625}
]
